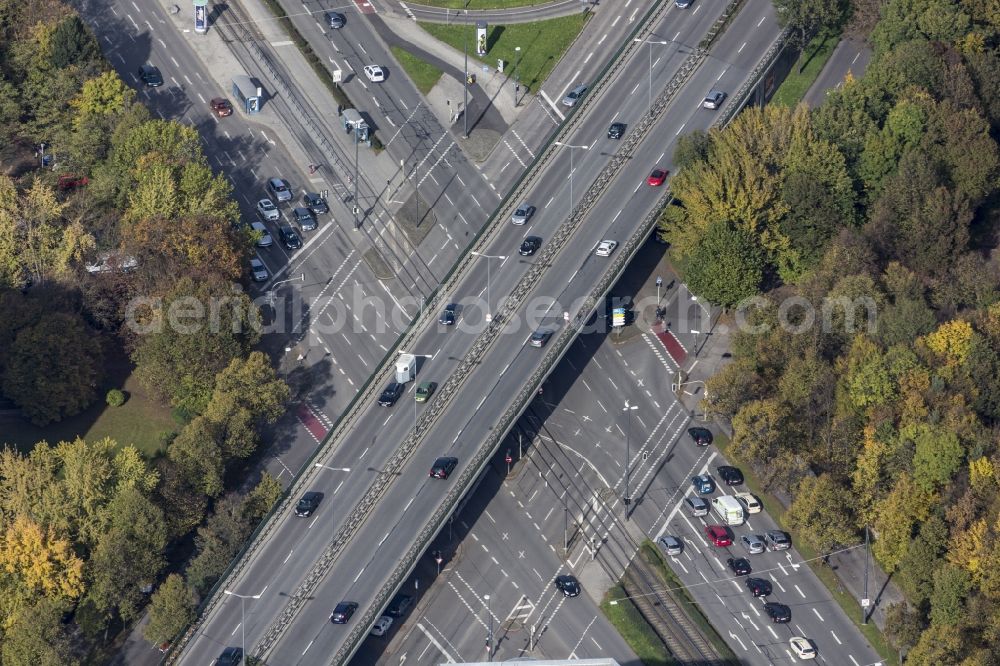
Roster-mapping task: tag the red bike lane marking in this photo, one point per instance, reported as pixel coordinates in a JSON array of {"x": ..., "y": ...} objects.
[
  {"x": 365, "y": 7},
  {"x": 311, "y": 423},
  {"x": 672, "y": 345}
]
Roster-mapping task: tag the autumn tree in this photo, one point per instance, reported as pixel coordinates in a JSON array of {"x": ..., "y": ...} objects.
[
  {"x": 171, "y": 610},
  {"x": 806, "y": 17},
  {"x": 727, "y": 266},
  {"x": 53, "y": 368},
  {"x": 36, "y": 636},
  {"x": 820, "y": 513}
]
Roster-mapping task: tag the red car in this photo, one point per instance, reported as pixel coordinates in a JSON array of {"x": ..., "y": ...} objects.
[
  {"x": 719, "y": 535},
  {"x": 71, "y": 182},
  {"x": 658, "y": 177},
  {"x": 221, "y": 107}
]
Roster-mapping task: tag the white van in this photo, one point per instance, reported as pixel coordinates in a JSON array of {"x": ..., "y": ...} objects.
[{"x": 728, "y": 509}]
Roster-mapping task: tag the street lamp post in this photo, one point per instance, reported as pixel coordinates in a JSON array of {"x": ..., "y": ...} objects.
[
  {"x": 517, "y": 74},
  {"x": 571, "y": 147},
  {"x": 489, "y": 636},
  {"x": 487, "y": 257},
  {"x": 701, "y": 325},
  {"x": 356, "y": 208},
  {"x": 465, "y": 84},
  {"x": 565, "y": 530},
  {"x": 650, "y": 88},
  {"x": 243, "y": 622},
  {"x": 270, "y": 292},
  {"x": 628, "y": 455}
]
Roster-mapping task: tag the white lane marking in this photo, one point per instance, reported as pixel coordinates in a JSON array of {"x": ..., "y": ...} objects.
[
  {"x": 762, "y": 19},
  {"x": 835, "y": 637},
  {"x": 818, "y": 615}
]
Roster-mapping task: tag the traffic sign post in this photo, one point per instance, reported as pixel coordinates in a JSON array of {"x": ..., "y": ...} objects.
[
  {"x": 508, "y": 459},
  {"x": 618, "y": 317}
]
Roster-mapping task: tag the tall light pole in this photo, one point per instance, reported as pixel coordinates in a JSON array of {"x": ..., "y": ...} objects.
[
  {"x": 517, "y": 73},
  {"x": 465, "y": 84},
  {"x": 571, "y": 148},
  {"x": 628, "y": 454},
  {"x": 357, "y": 140},
  {"x": 243, "y": 622},
  {"x": 650, "y": 42},
  {"x": 487, "y": 257}
]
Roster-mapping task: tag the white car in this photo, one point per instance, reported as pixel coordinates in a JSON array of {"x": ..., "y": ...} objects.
[
  {"x": 749, "y": 502},
  {"x": 802, "y": 647},
  {"x": 268, "y": 210},
  {"x": 375, "y": 73},
  {"x": 109, "y": 261},
  {"x": 605, "y": 248},
  {"x": 263, "y": 235},
  {"x": 381, "y": 626}
]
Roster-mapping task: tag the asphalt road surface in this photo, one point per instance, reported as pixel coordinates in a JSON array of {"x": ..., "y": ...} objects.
[{"x": 295, "y": 544}]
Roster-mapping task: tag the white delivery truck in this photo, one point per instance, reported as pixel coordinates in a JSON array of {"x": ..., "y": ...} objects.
[
  {"x": 406, "y": 368},
  {"x": 728, "y": 509}
]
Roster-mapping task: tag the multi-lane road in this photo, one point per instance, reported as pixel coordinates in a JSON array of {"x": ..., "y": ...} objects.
[{"x": 294, "y": 545}]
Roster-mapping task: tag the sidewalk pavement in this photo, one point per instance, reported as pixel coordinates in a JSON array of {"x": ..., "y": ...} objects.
[{"x": 850, "y": 56}]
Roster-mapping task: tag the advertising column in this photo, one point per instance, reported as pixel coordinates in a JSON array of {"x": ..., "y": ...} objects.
[{"x": 201, "y": 16}]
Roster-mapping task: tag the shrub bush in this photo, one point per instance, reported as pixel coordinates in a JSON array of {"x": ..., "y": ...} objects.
[{"x": 115, "y": 398}]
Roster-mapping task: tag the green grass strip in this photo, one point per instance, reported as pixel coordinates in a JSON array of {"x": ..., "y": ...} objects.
[
  {"x": 423, "y": 74},
  {"x": 542, "y": 45},
  {"x": 632, "y": 626},
  {"x": 796, "y": 84}
]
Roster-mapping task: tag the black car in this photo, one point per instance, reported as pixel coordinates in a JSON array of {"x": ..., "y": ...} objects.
[
  {"x": 399, "y": 605},
  {"x": 701, "y": 436},
  {"x": 759, "y": 587},
  {"x": 442, "y": 467},
  {"x": 315, "y": 203},
  {"x": 307, "y": 504},
  {"x": 739, "y": 565},
  {"x": 779, "y": 613},
  {"x": 447, "y": 317},
  {"x": 343, "y": 612},
  {"x": 529, "y": 246},
  {"x": 335, "y": 20},
  {"x": 231, "y": 656},
  {"x": 151, "y": 76},
  {"x": 304, "y": 217},
  {"x": 289, "y": 237},
  {"x": 391, "y": 394},
  {"x": 568, "y": 585},
  {"x": 731, "y": 476},
  {"x": 540, "y": 337},
  {"x": 616, "y": 131}
]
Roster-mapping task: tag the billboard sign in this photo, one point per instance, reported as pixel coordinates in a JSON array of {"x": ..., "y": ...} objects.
[{"x": 481, "y": 37}]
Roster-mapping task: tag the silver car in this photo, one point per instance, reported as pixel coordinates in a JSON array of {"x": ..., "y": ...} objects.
[
  {"x": 714, "y": 99},
  {"x": 697, "y": 506},
  {"x": 522, "y": 214},
  {"x": 671, "y": 545},
  {"x": 258, "y": 270},
  {"x": 279, "y": 189},
  {"x": 752, "y": 543},
  {"x": 574, "y": 95},
  {"x": 263, "y": 236}
]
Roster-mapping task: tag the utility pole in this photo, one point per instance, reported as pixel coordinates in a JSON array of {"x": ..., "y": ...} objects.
[
  {"x": 517, "y": 75},
  {"x": 628, "y": 455},
  {"x": 465, "y": 84},
  {"x": 866, "y": 601},
  {"x": 357, "y": 222}
]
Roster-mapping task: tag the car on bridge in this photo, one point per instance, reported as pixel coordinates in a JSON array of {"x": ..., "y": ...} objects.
[
  {"x": 605, "y": 248},
  {"x": 443, "y": 467},
  {"x": 343, "y": 612},
  {"x": 522, "y": 214},
  {"x": 447, "y": 317},
  {"x": 231, "y": 656},
  {"x": 424, "y": 391},
  {"x": 540, "y": 337},
  {"x": 657, "y": 177},
  {"x": 714, "y": 99},
  {"x": 308, "y": 503},
  {"x": 391, "y": 394},
  {"x": 529, "y": 246},
  {"x": 616, "y": 130}
]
